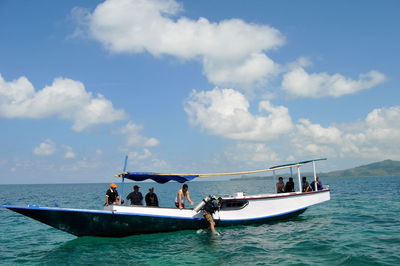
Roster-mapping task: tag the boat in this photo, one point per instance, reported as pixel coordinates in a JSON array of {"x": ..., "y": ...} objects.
[{"x": 120, "y": 220}]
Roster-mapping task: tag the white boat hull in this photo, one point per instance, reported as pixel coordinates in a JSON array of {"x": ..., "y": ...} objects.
[{"x": 117, "y": 220}]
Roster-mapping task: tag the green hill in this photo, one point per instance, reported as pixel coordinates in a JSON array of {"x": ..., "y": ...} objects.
[{"x": 384, "y": 168}]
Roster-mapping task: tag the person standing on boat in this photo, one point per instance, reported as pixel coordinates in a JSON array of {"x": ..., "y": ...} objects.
[
  {"x": 280, "y": 186},
  {"x": 180, "y": 197},
  {"x": 135, "y": 196},
  {"x": 151, "y": 198},
  {"x": 112, "y": 196},
  {"x": 289, "y": 187}
]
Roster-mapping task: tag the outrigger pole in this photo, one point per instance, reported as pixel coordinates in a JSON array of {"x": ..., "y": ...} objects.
[
  {"x": 123, "y": 179},
  {"x": 279, "y": 167}
]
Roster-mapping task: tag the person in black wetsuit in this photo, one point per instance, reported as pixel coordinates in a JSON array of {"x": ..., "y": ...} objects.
[{"x": 211, "y": 205}]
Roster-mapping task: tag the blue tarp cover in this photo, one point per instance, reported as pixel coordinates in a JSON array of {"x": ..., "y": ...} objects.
[{"x": 159, "y": 178}]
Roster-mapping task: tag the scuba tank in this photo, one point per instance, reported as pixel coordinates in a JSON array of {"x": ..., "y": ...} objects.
[{"x": 201, "y": 205}]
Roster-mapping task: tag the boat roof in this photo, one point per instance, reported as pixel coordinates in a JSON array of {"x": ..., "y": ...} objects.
[
  {"x": 159, "y": 178},
  {"x": 182, "y": 178}
]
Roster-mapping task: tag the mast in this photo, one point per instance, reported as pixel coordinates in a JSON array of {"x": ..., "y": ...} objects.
[{"x": 123, "y": 179}]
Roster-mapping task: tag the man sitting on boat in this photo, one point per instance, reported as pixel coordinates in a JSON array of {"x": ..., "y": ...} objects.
[
  {"x": 305, "y": 185},
  {"x": 151, "y": 198},
  {"x": 112, "y": 195},
  {"x": 318, "y": 183},
  {"x": 280, "y": 186},
  {"x": 289, "y": 187},
  {"x": 180, "y": 197},
  {"x": 135, "y": 196}
]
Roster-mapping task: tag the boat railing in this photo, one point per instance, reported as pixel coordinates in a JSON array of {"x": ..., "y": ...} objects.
[{"x": 298, "y": 165}]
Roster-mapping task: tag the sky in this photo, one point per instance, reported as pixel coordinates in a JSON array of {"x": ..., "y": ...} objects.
[{"x": 195, "y": 86}]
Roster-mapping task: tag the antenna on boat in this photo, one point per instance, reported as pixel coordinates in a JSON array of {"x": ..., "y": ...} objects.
[{"x": 123, "y": 178}]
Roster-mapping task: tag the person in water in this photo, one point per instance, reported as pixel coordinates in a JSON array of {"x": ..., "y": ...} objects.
[
  {"x": 112, "y": 196},
  {"x": 280, "y": 186},
  {"x": 211, "y": 205},
  {"x": 181, "y": 196},
  {"x": 289, "y": 187},
  {"x": 151, "y": 198},
  {"x": 135, "y": 196}
]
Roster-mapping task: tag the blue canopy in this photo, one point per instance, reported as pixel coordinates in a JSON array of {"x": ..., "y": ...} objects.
[{"x": 159, "y": 178}]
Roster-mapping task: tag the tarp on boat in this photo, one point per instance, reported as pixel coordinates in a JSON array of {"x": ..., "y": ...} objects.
[{"x": 159, "y": 178}]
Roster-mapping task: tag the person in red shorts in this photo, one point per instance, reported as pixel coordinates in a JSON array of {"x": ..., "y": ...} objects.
[{"x": 181, "y": 196}]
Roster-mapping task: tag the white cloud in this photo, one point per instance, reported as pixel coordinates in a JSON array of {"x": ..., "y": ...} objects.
[
  {"x": 232, "y": 51},
  {"x": 253, "y": 70},
  {"x": 47, "y": 147},
  {"x": 80, "y": 165},
  {"x": 225, "y": 112},
  {"x": 301, "y": 62},
  {"x": 314, "y": 140},
  {"x": 135, "y": 139},
  {"x": 299, "y": 83},
  {"x": 145, "y": 160},
  {"x": 251, "y": 153},
  {"x": 65, "y": 98},
  {"x": 69, "y": 153},
  {"x": 134, "y": 155},
  {"x": 137, "y": 146},
  {"x": 376, "y": 137}
]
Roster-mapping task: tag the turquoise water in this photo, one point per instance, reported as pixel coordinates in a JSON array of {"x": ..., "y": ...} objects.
[{"x": 359, "y": 226}]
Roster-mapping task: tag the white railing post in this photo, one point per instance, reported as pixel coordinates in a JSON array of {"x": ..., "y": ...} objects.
[
  {"x": 276, "y": 191},
  {"x": 315, "y": 176},
  {"x": 299, "y": 175}
]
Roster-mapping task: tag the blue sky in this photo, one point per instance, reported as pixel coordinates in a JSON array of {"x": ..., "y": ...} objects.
[{"x": 194, "y": 86}]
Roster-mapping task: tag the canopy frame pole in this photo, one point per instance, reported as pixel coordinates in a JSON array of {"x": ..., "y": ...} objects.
[
  {"x": 299, "y": 175},
  {"x": 123, "y": 180},
  {"x": 275, "y": 189},
  {"x": 315, "y": 176}
]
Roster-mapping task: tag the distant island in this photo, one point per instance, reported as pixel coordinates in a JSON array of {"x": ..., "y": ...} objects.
[{"x": 383, "y": 168}]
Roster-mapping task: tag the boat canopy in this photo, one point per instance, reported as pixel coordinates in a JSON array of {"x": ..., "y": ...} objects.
[{"x": 159, "y": 178}]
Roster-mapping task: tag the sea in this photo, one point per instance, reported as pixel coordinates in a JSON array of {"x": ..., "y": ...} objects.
[{"x": 360, "y": 225}]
